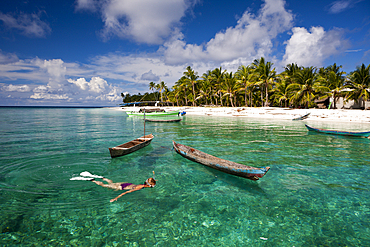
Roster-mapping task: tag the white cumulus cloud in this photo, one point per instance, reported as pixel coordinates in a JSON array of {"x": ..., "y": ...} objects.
[
  {"x": 40, "y": 89},
  {"x": 311, "y": 48},
  {"x": 97, "y": 88},
  {"x": 56, "y": 70},
  {"x": 80, "y": 82},
  {"x": 47, "y": 96},
  {"x": 16, "y": 88},
  {"x": 96, "y": 84},
  {"x": 145, "y": 21},
  {"x": 250, "y": 38}
]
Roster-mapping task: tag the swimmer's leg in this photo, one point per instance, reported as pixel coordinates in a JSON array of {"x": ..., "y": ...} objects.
[
  {"x": 114, "y": 186},
  {"x": 108, "y": 180}
]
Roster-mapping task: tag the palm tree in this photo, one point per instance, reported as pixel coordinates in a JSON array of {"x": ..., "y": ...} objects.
[
  {"x": 333, "y": 80},
  {"x": 205, "y": 88},
  {"x": 253, "y": 90},
  {"x": 291, "y": 69},
  {"x": 304, "y": 88},
  {"x": 289, "y": 72},
  {"x": 266, "y": 75},
  {"x": 229, "y": 87},
  {"x": 172, "y": 97},
  {"x": 192, "y": 77},
  {"x": 167, "y": 95},
  {"x": 217, "y": 78},
  {"x": 176, "y": 93},
  {"x": 161, "y": 86},
  {"x": 281, "y": 93},
  {"x": 151, "y": 86},
  {"x": 183, "y": 84},
  {"x": 245, "y": 77},
  {"x": 359, "y": 82}
]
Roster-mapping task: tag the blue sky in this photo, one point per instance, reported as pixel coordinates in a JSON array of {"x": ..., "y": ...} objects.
[{"x": 88, "y": 52}]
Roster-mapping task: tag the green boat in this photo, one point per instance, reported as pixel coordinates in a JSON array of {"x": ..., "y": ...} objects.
[{"x": 152, "y": 114}]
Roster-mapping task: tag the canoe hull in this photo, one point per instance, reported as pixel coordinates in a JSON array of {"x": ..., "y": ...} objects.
[
  {"x": 130, "y": 146},
  {"x": 336, "y": 132},
  {"x": 163, "y": 120},
  {"x": 302, "y": 117},
  {"x": 152, "y": 114},
  {"x": 226, "y": 166}
]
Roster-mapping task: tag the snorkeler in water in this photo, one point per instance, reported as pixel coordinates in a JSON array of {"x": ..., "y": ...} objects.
[{"x": 149, "y": 183}]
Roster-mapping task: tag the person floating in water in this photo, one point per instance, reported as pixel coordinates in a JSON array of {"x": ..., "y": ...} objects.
[{"x": 149, "y": 183}]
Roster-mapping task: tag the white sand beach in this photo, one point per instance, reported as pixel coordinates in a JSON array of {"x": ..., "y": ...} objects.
[{"x": 338, "y": 115}]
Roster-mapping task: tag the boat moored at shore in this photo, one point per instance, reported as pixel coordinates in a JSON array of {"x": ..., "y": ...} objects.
[
  {"x": 163, "y": 120},
  {"x": 152, "y": 114},
  {"x": 338, "y": 132}
]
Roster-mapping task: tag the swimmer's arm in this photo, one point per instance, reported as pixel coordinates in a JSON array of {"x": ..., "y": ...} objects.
[{"x": 134, "y": 189}]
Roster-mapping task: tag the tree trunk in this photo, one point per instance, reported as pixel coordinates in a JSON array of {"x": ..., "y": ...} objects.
[
  {"x": 193, "y": 95},
  {"x": 186, "y": 98},
  {"x": 245, "y": 96},
  {"x": 334, "y": 105},
  {"x": 261, "y": 97},
  {"x": 267, "y": 95},
  {"x": 250, "y": 98}
]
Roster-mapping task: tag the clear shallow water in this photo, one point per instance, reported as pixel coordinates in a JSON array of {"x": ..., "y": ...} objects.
[{"x": 316, "y": 192}]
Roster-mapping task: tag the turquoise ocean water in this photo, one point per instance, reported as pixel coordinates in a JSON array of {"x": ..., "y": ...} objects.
[{"x": 315, "y": 194}]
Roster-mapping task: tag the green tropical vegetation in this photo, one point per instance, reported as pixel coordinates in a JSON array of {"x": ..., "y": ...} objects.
[{"x": 258, "y": 85}]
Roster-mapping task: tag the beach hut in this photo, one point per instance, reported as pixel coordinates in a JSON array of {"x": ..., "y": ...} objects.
[{"x": 322, "y": 103}]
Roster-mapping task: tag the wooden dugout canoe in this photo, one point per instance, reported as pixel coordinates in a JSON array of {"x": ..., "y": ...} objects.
[
  {"x": 226, "y": 166},
  {"x": 131, "y": 146},
  {"x": 338, "y": 132},
  {"x": 302, "y": 117}
]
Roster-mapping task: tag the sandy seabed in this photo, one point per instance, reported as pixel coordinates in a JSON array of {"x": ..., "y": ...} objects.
[{"x": 338, "y": 115}]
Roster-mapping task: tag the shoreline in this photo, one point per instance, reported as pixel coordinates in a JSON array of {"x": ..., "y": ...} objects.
[{"x": 338, "y": 115}]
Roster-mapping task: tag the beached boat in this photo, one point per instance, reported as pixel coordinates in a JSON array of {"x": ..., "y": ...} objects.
[
  {"x": 226, "y": 166},
  {"x": 338, "y": 132},
  {"x": 152, "y": 114},
  {"x": 131, "y": 146},
  {"x": 302, "y": 117},
  {"x": 163, "y": 120}
]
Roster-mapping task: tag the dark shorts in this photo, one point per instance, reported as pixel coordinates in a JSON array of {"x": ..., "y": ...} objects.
[{"x": 123, "y": 186}]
